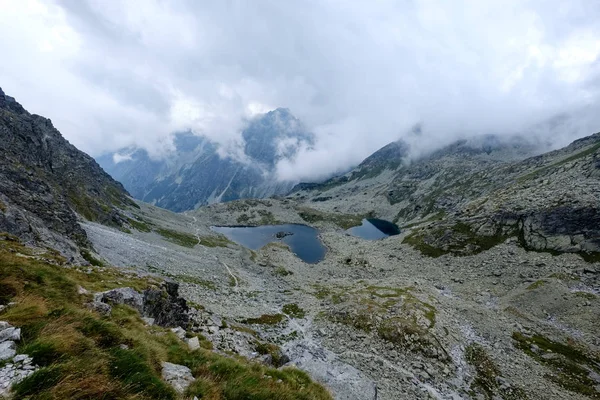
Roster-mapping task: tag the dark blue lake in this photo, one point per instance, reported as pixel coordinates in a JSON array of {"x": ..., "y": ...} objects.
[
  {"x": 373, "y": 229},
  {"x": 302, "y": 239}
]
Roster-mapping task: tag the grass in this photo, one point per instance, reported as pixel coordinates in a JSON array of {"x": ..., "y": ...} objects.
[
  {"x": 265, "y": 319},
  {"x": 344, "y": 221},
  {"x": 294, "y": 311},
  {"x": 140, "y": 225},
  {"x": 571, "y": 364},
  {"x": 280, "y": 271},
  {"x": 486, "y": 373},
  {"x": 180, "y": 238},
  {"x": 536, "y": 284},
  {"x": 459, "y": 240},
  {"x": 90, "y": 258},
  {"x": 84, "y": 355},
  {"x": 214, "y": 241}
]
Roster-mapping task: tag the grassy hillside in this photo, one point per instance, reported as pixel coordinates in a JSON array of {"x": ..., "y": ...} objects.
[{"x": 84, "y": 355}]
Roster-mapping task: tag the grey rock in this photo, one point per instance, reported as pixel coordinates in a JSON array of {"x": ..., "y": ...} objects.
[
  {"x": 99, "y": 307},
  {"x": 193, "y": 343},
  {"x": 12, "y": 333},
  {"x": 179, "y": 332},
  {"x": 7, "y": 350},
  {"x": 126, "y": 295},
  {"x": 178, "y": 376}
]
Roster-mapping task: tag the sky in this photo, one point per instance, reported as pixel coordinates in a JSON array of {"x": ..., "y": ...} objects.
[{"x": 359, "y": 74}]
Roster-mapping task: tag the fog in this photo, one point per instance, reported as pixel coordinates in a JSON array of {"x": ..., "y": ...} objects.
[{"x": 357, "y": 74}]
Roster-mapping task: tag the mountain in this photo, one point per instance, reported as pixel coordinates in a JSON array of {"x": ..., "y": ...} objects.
[
  {"x": 477, "y": 192},
  {"x": 195, "y": 173},
  {"x": 46, "y": 184}
]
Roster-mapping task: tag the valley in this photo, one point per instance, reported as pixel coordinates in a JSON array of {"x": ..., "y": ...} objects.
[{"x": 490, "y": 288}]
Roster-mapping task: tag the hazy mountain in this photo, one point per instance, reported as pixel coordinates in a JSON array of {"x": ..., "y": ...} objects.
[{"x": 195, "y": 173}]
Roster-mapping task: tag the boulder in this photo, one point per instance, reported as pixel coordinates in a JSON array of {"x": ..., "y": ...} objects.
[
  {"x": 99, "y": 307},
  {"x": 7, "y": 350},
  {"x": 126, "y": 295},
  {"x": 178, "y": 376},
  {"x": 193, "y": 343},
  {"x": 11, "y": 333}
]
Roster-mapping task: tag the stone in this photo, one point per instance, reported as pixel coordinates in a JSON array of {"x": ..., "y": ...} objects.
[
  {"x": 178, "y": 376},
  {"x": 19, "y": 358},
  {"x": 179, "y": 332},
  {"x": 193, "y": 343},
  {"x": 12, "y": 333},
  {"x": 7, "y": 350},
  {"x": 125, "y": 295},
  {"x": 81, "y": 290},
  {"x": 99, "y": 307},
  {"x": 148, "y": 321}
]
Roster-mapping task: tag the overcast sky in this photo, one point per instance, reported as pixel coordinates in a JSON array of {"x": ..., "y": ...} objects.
[{"x": 358, "y": 73}]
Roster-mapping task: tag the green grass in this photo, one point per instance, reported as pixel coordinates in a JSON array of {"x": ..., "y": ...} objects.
[
  {"x": 280, "y": 271},
  {"x": 460, "y": 240},
  {"x": 84, "y": 355},
  {"x": 293, "y": 310},
  {"x": 571, "y": 363},
  {"x": 140, "y": 225},
  {"x": 180, "y": 238},
  {"x": 265, "y": 319},
  {"x": 536, "y": 284},
  {"x": 90, "y": 258},
  {"x": 344, "y": 221},
  {"x": 214, "y": 241}
]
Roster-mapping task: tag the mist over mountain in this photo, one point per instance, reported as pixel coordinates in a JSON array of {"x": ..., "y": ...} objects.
[{"x": 199, "y": 171}]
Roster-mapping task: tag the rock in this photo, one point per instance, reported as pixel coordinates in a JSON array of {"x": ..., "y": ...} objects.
[
  {"x": 7, "y": 350},
  {"x": 178, "y": 376},
  {"x": 12, "y": 333},
  {"x": 4, "y": 325},
  {"x": 81, "y": 290},
  {"x": 193, "y": 343},
  {"x": 126, "y": 295},
  {"x": 169, "y": 310},
  {"x": 20, "y": 357},
  {"x": 179, "y": 332},
  {"x": 99, "y": 307},
  {"x": 148, "y": 321}
]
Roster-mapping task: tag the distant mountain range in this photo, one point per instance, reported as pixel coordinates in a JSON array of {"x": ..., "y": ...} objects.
[{"x": 195, "y": 174}]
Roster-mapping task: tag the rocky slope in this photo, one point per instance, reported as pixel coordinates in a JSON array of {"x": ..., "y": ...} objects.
[
  {"x": 473, "y": 194},
  {"x": 46, "y": 184},
  {"x": 195, "y": 173}
]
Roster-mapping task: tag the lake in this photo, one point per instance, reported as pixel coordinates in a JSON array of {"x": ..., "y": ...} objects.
[
  {"x": 373, "y": 229},
  {"x": 303, "y": 240}
]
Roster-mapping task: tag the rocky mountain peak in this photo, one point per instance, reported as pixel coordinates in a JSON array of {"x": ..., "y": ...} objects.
[{"x": 46, "y": 183}]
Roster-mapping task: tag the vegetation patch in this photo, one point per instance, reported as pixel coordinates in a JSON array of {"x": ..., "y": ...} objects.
[
  {"x": 179, "y": 238},
  {"x": 280, "y": 271},
  {"x": 344, "y": 221},
  {"x": 84, "y": 355},
  {"x": 214, "y": 241},
  {"x": 294, "y": 311},
  {"x": 87, "y": 256},
  {"x": 140, "y": 225},
  {"x": 536, "y": 284},
  {"x": 571, "y": 363},
  {"x": 265, "y": 319},
  {"x": 458, "y": 239},
  {"x": 277, "y": 357},
  {"x": 487, "y": 374},
  {"x": 2, "y": 207}
]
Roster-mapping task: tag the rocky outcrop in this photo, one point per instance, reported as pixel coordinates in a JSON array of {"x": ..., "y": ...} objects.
[
  {"x": 45, "y": 182},
  {"x": 178, "y": 376},
  {"x": 162, "y": 305}
]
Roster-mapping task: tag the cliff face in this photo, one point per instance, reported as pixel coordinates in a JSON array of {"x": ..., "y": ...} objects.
[{"x": 45, "y": 182}]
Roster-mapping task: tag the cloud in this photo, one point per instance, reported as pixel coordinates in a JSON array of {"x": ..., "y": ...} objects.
[{"x": 358, "y": 74}]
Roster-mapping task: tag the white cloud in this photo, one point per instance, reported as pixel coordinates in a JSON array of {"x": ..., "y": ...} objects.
[{"x": 358, "y": 74}]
